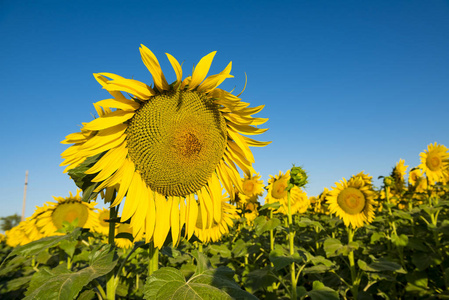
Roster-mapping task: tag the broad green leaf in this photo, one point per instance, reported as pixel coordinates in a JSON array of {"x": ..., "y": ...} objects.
[
  {"x": 260, "y": 279},
  {"x": 169, "y": 283},
  {"x": 399, "y": 241},
  {"x": 38, "y": 246},
  {"x": 263, "y": 224},
  {"x": 280, "y": 259},
  {"x": 305, "y": 222},
  {"x": 60, "y": 283},
  {"x": 322, "y": 292},
  {"x": 380, "y": 265},
  {"x": 331, "y": 246},
  {"x": 274, "y": 205},
  {"x": 221, "y": 250},
  {"x": 83, "y": 180},
  {"x": 239, "y": 248}
]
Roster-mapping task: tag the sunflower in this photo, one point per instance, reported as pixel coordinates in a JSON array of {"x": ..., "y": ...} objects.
[
  {"x": 352, "y": 201},
  {"x": 102, "y": 226},
  {"x": 252, "y": 187},
  {"x": 435, "y": 162},
  {"x": 123, "y": 242},
  {"x": 215, "y": 232},
  {"x": 17, "y": 236},
  {"x": 277, "y": 192},
  {"x": 251, "y": 212},
  {"x": 2, "y": 238},
  {"x": 169, "y": 147},
  {"x": 66, "y": 209}
]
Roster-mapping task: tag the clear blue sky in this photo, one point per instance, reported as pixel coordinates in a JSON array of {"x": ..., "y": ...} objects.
[{"x": 348, "y": 85}]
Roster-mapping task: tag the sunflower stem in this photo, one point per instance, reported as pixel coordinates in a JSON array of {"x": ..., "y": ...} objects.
[
  {"x": 154, "y": 259},
  {"x": 110, "y": 277},
  {"x": 355, "y": 280},
  {"x": 291, "y": 235}
]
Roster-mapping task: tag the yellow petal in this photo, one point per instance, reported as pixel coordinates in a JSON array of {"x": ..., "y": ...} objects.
[
  {"x": 163, "y": 212},
  {"x": 132, "y": 198},
  {"x": 236, "y": 137},
  {"x": 152, "y": 64},
  {"x": 104, "y": 137},
  {"x": 201, "y": 70},
  {"x": 177, "y": 67},
  {"x": 246, "y": 129},
  {"x": 138, "y": 219},
  {"x": 103, "y": 81},
  {"x": 192, "y": 215},
  {"x": 174, "y": 219},
  {"x": 109, "y": 120},
  {"x": 123, "y": 104},
  {"x": 109, "y": 158},
  {"x": 127, "y": 172},
  {"x": 150, "y": 221},
  {"x": 134, "y": 87},
  {"x": 213, "y": 81}
]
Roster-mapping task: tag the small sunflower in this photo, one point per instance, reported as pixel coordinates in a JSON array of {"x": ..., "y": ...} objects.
[
  {"x": 277, "y": 193},
  {"x": 218, "y": 229},
  {"x": 251, "y": 212},
  {"x": 66, "y": 209},
  {"x": 17, "y": 236},
  {"x": 414, "y": 175},
  {"x": 352, "y": 201},
  {"x": 168, "y": 147},
  {"x": 435, "y": 162},
  {"x": 252, "y": 187},
  {"x": 102, "y": 226},
  {"x": 123, "y": 242}
]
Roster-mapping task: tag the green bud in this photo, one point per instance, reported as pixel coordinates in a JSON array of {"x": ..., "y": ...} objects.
[
  {"x": 388, "y": 181},
  {"x": 298, "y": 177}
]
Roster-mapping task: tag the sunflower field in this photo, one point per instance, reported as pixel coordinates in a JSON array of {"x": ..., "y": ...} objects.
[{"x": 188, "y": 217}]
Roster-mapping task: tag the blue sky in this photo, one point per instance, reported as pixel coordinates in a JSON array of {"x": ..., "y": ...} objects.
[{"x": 348, "y": 85}]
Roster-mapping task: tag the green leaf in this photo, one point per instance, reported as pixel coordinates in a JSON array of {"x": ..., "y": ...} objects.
[
  {"x": 280, "y": 259},
  {"x": 240, "y": 248},
  {"x": 322, "y": 292},
  {"x": 331, "y": 246},
  {"x": 221, "y": 250},
  {"x": 380, "y": 265},
  {"x": 83, "y": 180},
  {"x": 262, "y": 224},
  {"x": 60, "y": 283},
  {"x": 274, "y": 205},
  {"x": 38, "y": 246},
  {"x": 305, "y": 222},
  {"x": 399, "y": 241},
  {"x": 260, "y": 279},
  {"x": 169, "y": 283}
]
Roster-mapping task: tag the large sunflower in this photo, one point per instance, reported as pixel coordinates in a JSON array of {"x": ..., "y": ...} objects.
[
  {"x": 352, "y": 201},
  {"x": 168, "y": 147},
  {"x": 435, "y": 162},
  {"x": 67, "y": 209}
]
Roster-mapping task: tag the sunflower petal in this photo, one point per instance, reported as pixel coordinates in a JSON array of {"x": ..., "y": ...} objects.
[
  {"x": 201, "y": 70},
  {"x": 152, "y": 64},
  {"x": 177, "y": 67}
]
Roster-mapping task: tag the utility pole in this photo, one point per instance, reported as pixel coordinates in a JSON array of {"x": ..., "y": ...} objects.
[{"x": 24, "y": 195}]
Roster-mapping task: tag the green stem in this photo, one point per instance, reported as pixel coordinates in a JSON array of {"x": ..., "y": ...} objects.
[
  {"x": 291, "y": 235},
  {"x": 271, "y": 233},
  {"x": 99, "y": 288},
  {"x": 200, "y": 247},
  {"x": 154, "y": 259},
  {"x": 110, "y": 277},
  {"x": 355, "y": 281}
]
